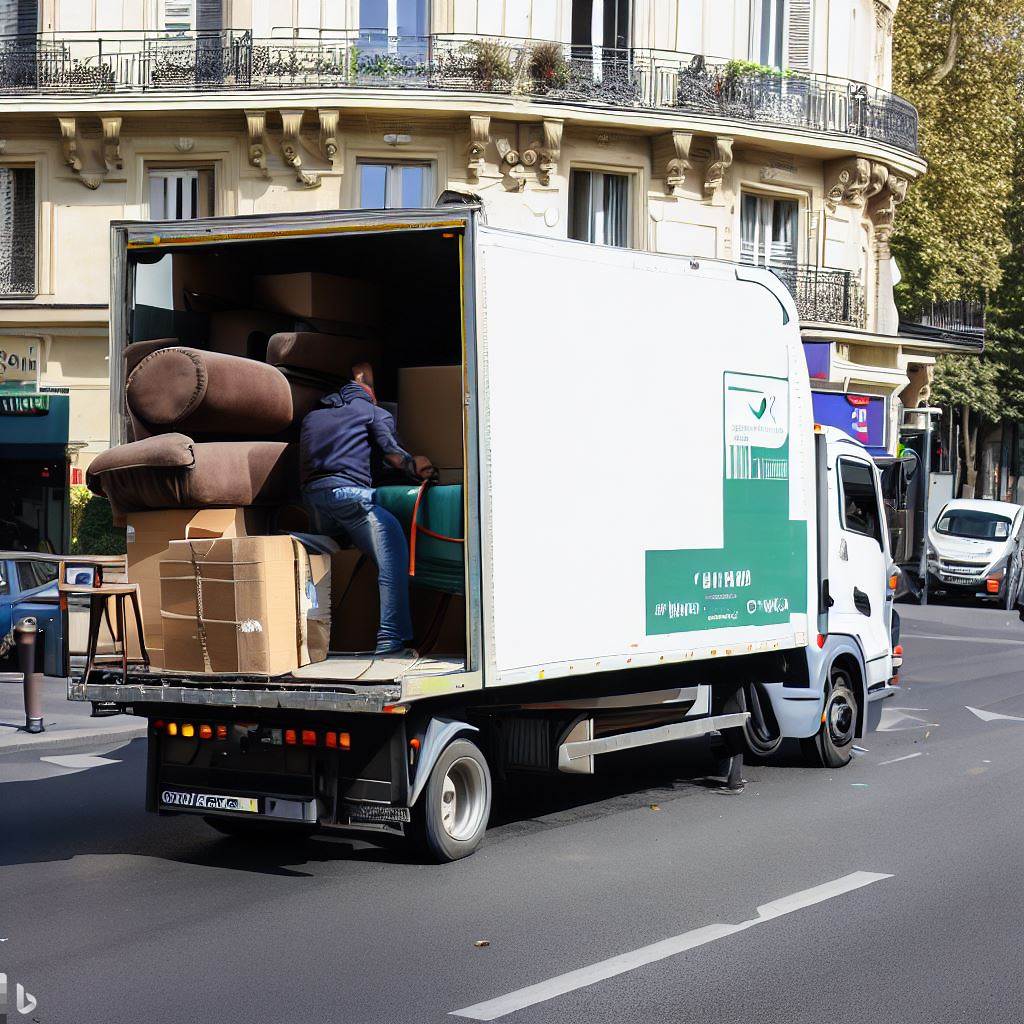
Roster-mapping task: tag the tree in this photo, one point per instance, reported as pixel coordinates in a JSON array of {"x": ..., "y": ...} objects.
[{"x": 959, "y": 62}]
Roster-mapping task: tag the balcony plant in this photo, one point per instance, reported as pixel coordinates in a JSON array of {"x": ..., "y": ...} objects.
[
  {"x": 489, "y": 63},
  {"x": 547, "y": 67}
]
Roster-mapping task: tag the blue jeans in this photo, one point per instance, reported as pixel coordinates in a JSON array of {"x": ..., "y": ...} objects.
[{"x": 379, "y": 535}]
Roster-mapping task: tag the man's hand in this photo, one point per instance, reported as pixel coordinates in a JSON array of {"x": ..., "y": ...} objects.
[{"x": 422, "y": 467}]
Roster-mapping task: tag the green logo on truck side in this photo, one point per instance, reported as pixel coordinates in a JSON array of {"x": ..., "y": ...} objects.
[{"x": 759, "y": 575}]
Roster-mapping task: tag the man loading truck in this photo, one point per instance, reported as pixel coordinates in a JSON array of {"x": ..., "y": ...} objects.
[{"x": 336, "y": 456}]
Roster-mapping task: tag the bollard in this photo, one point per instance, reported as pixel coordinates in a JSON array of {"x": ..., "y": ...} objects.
[{"x": 25, "y": 634}]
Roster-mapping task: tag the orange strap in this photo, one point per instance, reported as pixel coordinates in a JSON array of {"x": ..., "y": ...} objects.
[{"x": 415, "y": 529}]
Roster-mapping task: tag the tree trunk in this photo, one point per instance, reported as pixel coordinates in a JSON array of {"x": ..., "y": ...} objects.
[{"x": 969, "y": 433}]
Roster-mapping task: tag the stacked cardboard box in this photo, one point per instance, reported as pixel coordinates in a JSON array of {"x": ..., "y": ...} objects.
[{"x": 430, "y": 408}]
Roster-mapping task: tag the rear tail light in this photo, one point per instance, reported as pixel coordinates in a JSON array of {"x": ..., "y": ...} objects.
[
  {"x": 330, "y": 739},
  {"x": 308, "y": 738},
  {"x": 893, "y": 581},
  {"x": 188, "y": 730},
  {"x": 205, "y": 732},
  {"x": 158, "y": 724},
  {"x": 898, "y": 650},
  {"x": 344, "y": 741},
  {"x": 222, "y": 732},
  {"x": 172, "y": 728},
  {"x": 290, "y": 738}
]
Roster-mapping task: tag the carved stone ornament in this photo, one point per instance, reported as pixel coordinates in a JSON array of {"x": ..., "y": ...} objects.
[
  {"x": 256, "y": 129},
  {"x": 550, "y": 151},
  {"x": 479, "y": 136},
  {"x": 718, "y": 164},
  {"x": 69, "y": 143},
  {"x": 185, "y": 144},
  {"x": 882, "y": 209},
  {"x": 512, "y": 165},
  {"x": 291, "y": 126},
  {"x": 671, "y": 156},
  {"x": 112, "y": 143},
  {"x": 328, "y": 134},
  {"x": 850, "y": 181}
]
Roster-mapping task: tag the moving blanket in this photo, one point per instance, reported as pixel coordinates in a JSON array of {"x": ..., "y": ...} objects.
[{"x": 437, "y": 563}]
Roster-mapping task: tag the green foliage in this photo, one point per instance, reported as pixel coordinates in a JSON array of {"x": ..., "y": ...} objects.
[
  {"x": 950, "y": 237},
  {"x": 490, "y": 62},
  {"x": 749, "y": 68},
  {"x": 79, "y": 498},
  {"x": 97, "y": 534}
]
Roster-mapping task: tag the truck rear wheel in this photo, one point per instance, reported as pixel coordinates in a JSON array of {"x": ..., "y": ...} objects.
[
  {"x": 832, "y": 745},
  {"x": 452, "y": 814}
]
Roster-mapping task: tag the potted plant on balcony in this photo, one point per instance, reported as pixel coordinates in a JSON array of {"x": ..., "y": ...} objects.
[
  {"x": 763, "y": 92},
  {"x": 489, "y": 64},
  {"x": 547, "y": 67}
]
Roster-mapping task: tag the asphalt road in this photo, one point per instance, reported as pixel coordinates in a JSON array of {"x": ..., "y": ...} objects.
[{"x": 905, "y": 870}]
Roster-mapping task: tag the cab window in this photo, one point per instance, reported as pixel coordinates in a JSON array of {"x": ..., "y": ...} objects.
[
  {"x": 858, "y": 508},
  {"x": 32, "y": 574}
]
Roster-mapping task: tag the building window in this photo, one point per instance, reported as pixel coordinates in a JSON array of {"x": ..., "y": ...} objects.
[
  {"x": 600, "y": 24},
  {"x": 180, "y": 193},
  {"x": 768, "y": 231},
  {"x": 17, "y": 231},
  {"x": 599, "y": 208},
  {"x": 385, "y": 24},
  {"x": 191, "y": 15},
  {"x": 767, "y": 32},
  {"x": 395, "y": 186}
]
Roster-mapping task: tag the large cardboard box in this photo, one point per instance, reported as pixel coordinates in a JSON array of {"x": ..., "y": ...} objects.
[
  {"x": 355, "y": 601},
  {"x": 149, "y": 534},
  {"x": 430, "y": 405},
  {"x": 320, "y": 296},
  {"x": 231, "y": 330},
  {"x": 231, "y": 605}
]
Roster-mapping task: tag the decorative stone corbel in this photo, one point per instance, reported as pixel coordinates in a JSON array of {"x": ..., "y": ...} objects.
[
  {"x": 291, "y": 126},
  {"x": 671, "y": 156},
  {"x": 513, "y": 165},
  {"x": 718, "y": 164},
  {"x": 256, "y": 129},
  {"x": 112, "y": 143},
  {"x": 185, "y": 144},
  {"x": 479, "y": 136},
  {"x": 850, "y": 181},
  {"x": 329, "y": 133},
  {"x": 876, "y": 181},
  {"x": 550, "y": 151},
  {"x": 69, "y": 143},
  {"x": 882, "y": 210}
]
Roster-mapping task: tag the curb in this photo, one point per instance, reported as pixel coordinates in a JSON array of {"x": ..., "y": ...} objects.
[{"x": 71, "y": 740}]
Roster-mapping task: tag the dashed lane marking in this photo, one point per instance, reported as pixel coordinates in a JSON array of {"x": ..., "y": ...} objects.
[
  {"x": 79, "y": 760},
  {"x": 492, "y": 1009},
  {"x": 905, "y": 757}
]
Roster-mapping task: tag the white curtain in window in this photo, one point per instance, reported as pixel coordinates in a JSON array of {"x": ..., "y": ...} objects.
[
  {"x": 768, "y": 231},
  {"x": 767, "y": 32},
  {"x": 599, "y": 208}
]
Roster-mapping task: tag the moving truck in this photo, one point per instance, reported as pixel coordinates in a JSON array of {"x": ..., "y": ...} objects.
[{"x": 657, "y": 542}]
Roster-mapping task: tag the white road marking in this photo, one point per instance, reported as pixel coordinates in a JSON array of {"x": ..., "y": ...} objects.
[
  {"x": 897, "y": 720},
  {"x": 492, "y": 1009},
  {"x": 905, "y": 757},
  {"x": 966, "y": 639},
  {"x": 992, "y": 716},
  {"x": 79, "y": 760}
]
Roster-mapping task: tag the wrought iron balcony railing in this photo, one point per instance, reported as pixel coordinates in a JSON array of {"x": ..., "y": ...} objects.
[
  {"x": 66, "y": 63},
  {"x": 955, "y": 322},
  {"x": 825, "y": 296}
]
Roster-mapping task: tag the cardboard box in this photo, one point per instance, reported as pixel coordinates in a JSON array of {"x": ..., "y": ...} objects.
[
  {"x": 230, "y": 605},
  {"x": 355, "y": 601},
  {"x": 430, "y": 403},
  {"x": 149, "y": 535},
  {"x": 314, "y": 597},
  {"x": 320, "y": 296},
  {"x": 230, "y": 331},
  {"x": 204, "y": 281}
]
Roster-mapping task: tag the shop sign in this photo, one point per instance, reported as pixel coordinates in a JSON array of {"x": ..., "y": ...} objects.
[
  {"x": 18, "y": 360},
  {"x": 860, "y": 416},
  {"x": 24, "y": 405},
  {"x": 818, "y": 355}
]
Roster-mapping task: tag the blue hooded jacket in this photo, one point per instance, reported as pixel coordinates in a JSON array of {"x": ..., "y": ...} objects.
[{"x": 337, "y": 440}]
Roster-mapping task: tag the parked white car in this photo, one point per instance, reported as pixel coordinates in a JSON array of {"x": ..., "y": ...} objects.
[{"x": 974, "y": 547}]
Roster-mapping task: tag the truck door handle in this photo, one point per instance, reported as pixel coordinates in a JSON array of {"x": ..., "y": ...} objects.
[{"x": 861, "y": 601}]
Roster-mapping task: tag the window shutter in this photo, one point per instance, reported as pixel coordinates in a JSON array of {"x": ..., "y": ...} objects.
[
  {"x": 799, "y": 35},
  {"x": 28, "y": 17}
]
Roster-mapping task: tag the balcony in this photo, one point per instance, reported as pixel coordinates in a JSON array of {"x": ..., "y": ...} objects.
[
  {"x": 635, "y": 79},
  {"x": 952, "y": 323},
  {"x": 825, "y": 296}
]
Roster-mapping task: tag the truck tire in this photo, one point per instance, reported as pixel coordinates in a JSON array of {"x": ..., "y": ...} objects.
[
  {"x": 269, "y": 831},
  {"x": 762, "y": 736},
  {"x": 832, "y": 745},
  {"x": 451, "y": 816}
]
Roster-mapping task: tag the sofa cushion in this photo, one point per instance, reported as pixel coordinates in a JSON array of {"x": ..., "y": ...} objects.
[
  {"x": 208, "y": 393},
  {"x": 173, "y": 471},
  {"x": 330, "y": 356}
]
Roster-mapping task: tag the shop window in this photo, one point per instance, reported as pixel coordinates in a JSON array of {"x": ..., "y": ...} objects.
[
  {"x": 395, "y": 186},
  {"x": 599, "y": 208},
  {"x": 17, "y": 231},
  {"x": 180, "y": 193}
]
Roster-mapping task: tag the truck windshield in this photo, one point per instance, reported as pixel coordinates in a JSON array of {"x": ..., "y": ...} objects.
[{"x": 972, "y": 523}]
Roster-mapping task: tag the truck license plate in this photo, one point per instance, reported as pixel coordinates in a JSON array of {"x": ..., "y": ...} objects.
[{"x": 209, "y": 801}]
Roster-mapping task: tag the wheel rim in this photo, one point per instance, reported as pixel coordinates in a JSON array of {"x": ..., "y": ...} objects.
[
  {"x": 463, "y": 799},
  {"x": 840, "y": 717}
]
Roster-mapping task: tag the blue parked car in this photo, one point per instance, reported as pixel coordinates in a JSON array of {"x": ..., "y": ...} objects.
[{"x": 28, "y": 586}]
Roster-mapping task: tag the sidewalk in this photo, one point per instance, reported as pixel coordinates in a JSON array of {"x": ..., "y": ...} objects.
[{"x": 69, "y": 725}]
